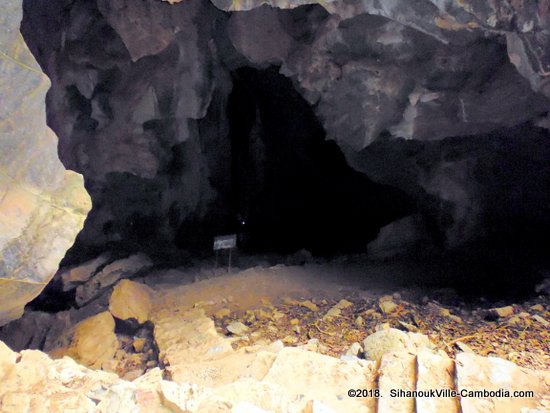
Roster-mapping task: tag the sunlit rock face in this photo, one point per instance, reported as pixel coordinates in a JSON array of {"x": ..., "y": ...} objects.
[
  {"x": 445, "y": 101},
  {"x": 42, "y": 206}
]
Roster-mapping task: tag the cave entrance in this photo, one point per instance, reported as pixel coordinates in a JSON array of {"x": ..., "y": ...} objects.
[{"x": 290, "y": 187}]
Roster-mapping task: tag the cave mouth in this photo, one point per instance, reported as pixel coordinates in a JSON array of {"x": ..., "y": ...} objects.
[
  {"x": 277, "y": 182},
  {"x": 290, "y": 188}
]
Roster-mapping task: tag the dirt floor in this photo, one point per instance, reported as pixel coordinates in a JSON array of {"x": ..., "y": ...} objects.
[{"x": 341, "y": 302}]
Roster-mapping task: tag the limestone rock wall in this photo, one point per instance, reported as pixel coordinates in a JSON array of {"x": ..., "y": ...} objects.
[
  {"x": 135, "y": 90},
  {"x": 443, "y": 100},
  {"x": 42, "y": 206},
  {"x": 440, "y": 100}
]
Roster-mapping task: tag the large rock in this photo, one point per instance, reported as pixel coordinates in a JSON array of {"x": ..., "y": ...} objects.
[
  {"x": 403, "y": 237},
  {"x": 42, "y": 206},
  {"x": 71, "y": 278},
  {"x": 289, "y": 380},
  {"x": 435, "y": 371},
  {"x": 94, "y": 341},
  {"x": 323, "y": 378},
  {"x": 495, "y": 380},
  {"x": 131, "y": 300},
  {"x": 397, "y": 372},
  {"x": 183, "y": 338},
  {"x": 31, "y": 381},
  {"x": 109, "y": 275},
  {"x": 392, "y": 340}
]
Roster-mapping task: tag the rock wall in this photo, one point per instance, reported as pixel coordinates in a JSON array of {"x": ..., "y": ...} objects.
[
  {"x": 136, "y": 99},
  {"x": 430, "y": 99},
  {"x": 443, "y": 100},
  {"x": 42, "y": 206}
]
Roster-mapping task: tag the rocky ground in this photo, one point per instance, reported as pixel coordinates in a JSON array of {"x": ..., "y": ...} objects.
[
  {"x": 271, "y": 339},
  {"x": 520, "y": 334}
]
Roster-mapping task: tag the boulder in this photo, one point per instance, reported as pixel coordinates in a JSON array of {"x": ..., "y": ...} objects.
[
  {"x": 28, "y": 332},
  {"x": 501, "y": 312},
  {"x": 323, "y": 378},
  {"x": 493, "y": 377},
  {"x": 73, "y": 277},
  {"x": 393, "y": 340},
  {"x": 403, "y": 237},
  {"x": 94, "y": 341},
  {"x": 435, "y": 371},
  {"x": 109, "y": 275},
  {"x": 39, "y": 384},
  {"x": 42, "y": 206},
  {"x": 131, "y": 300},
  {"x": 237, "y": 328},
  {"x": 7, "y": 359},
  {"x": 397, "y": 372}
]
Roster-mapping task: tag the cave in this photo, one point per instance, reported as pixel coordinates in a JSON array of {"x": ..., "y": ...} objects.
[
  {"x": 271, "y": 183},
  {"x": 291, "y": 187}
]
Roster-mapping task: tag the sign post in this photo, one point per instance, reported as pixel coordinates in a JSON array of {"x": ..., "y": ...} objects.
[{"x": 225, "y": 242}]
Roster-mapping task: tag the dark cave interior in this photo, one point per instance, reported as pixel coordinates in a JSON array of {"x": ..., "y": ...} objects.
[
  {"x": 293, "y": 188},
  {"x": 261, "y": 158}
]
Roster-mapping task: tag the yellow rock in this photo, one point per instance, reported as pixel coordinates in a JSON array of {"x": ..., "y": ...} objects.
[
  {"x": 138, "y": 344},
  {"x": 290, "y": 340},
  {"x": 131, "y": 300},
  {"x": 332, "y": 313},
  {"x": 277, "y": 315},
  {"x": 537, "y": 307},
  {"x": 515, "y": 320},
  {"x": 7, "y": 359},
  {"x": 94, "y": 340},
  {"x": 309, "y": 304},
  {"x": 336, "y": 310},
  {"x": 385, "y": 298},
  {"x": 224, "y": 312},
  {"x": 40, "y": 227},
  {"x": 237, "y": 328},
  {"x": 444, "y": 312},
  {"x": 456, "y": 319},
  {"x": 266, "y": 303},
  {"x": 262, "y": 314},
  {"x": 250, "y": 316},
  {"x": 294, "y": 322},
  {"x": 290, "y": 301},
  {"x": 541, "y": 320},
  {"x": 503, "y": 311},
  {"x": 83, "y": 272},
  {"x": 408, "y": 326},
  {"x": 343, "y": 304},
  {"x": 382, "y": 326},
  {"x": 202, "y": 304},
  {"x": 387, "y": 307}
]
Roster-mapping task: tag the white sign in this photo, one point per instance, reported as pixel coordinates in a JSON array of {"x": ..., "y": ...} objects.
[{"x": 225, "y": 242}]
